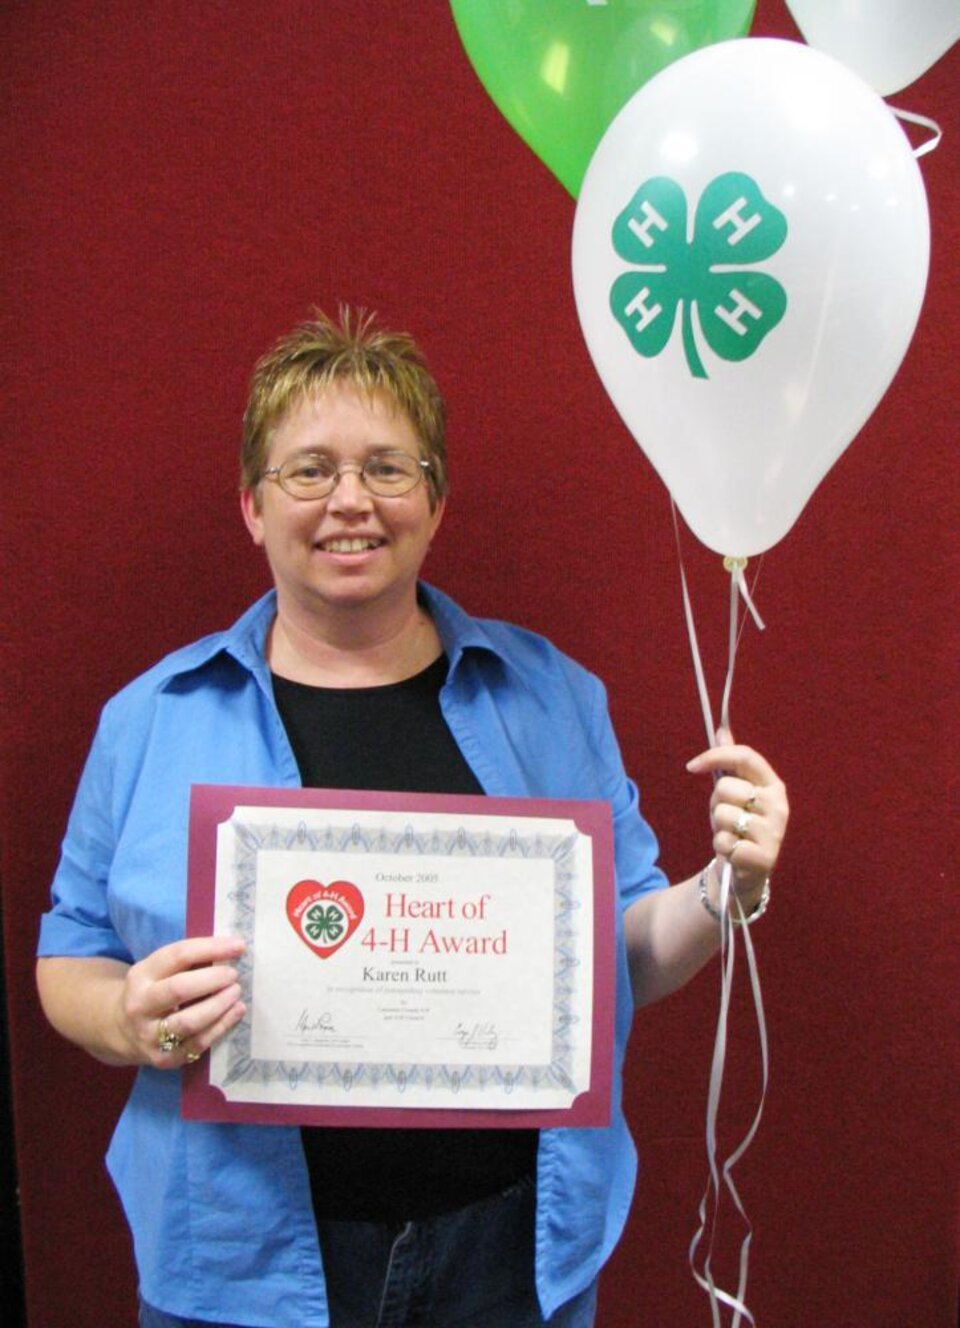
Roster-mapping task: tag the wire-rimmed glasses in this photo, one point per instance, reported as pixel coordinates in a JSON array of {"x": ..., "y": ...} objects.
[{"x": 389, "y": 474}]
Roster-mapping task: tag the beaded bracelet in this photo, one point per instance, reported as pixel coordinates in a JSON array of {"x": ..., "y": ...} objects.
[{"x": 747, "y": 921}]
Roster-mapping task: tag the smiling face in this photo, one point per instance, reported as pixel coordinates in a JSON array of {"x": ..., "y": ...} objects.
[{"x": 351, "y": 550}]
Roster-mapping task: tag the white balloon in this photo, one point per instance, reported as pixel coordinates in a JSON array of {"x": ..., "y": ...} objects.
[
  {"x": 890, "y": 43},
  {"x": 747, "y": 343}
]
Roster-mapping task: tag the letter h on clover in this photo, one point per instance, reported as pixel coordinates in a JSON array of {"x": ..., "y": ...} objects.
[{"x": 734, "y": 228}]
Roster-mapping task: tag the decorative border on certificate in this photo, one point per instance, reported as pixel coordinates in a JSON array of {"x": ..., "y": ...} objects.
[{"x": 412, "y": 959}]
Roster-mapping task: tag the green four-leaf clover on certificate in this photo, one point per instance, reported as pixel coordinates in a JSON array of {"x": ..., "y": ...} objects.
[
  {"x": 324, "y": 924},
  {"x": 735, "y": 227}
]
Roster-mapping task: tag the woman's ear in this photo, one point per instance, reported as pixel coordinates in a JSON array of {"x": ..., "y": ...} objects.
[
  {"x": 251, "y": 508},
  {"x": 437, "y": 514}
]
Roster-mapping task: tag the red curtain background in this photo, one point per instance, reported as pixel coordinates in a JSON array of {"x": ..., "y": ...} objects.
[{"x": 184, "y": 181}]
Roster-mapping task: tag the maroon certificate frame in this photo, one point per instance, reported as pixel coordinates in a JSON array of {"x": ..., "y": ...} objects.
[{"x": 247, "y": 850}]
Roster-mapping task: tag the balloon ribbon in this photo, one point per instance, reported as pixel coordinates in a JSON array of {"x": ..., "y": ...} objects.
[
  {"x": 911, "y": 117},
  {"x": 721, "y": 1178}
]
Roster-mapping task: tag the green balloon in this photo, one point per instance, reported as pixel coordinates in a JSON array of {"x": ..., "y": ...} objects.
[{"x": 560, "y": 70}]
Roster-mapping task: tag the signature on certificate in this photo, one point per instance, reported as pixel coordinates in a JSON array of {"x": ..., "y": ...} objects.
[
  {"x": 310, "y": 1022},
  {"x": 477, "y": 1037}
]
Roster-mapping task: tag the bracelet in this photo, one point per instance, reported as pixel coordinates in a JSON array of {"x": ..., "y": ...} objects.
[{"x": 761, "y": 907}]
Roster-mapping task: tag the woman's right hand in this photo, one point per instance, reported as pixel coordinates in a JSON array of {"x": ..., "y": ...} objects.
[
  {"x": 180, "y": 1000},
  {"x": 166, "y": 1010}
]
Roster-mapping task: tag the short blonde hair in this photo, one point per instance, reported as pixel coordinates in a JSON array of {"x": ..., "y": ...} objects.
[{"x": 354, "y": 350}]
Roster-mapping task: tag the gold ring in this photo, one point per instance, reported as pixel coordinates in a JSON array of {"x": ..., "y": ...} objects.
[
  {"x": 167, "y": 1040},
  {"x": 193, "y": 1057},
  {"x": 751, "y": 802}
]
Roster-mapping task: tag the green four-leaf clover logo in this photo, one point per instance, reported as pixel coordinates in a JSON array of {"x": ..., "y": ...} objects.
[
  {"x": 324, "y": 924},
  {"x": 734, "y": 228}
]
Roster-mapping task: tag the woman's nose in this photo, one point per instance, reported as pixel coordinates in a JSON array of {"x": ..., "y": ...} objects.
[{"x": 349, "y": 493}]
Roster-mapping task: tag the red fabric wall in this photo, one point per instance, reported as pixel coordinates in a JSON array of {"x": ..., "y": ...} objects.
[{"x": 184, "y": 181}]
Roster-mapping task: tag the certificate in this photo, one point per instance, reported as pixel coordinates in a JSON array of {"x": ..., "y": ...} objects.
[{"x": 412, "y": 959}]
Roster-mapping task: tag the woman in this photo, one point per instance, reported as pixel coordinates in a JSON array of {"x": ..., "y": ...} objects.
[{"x": 352, "y": 673}]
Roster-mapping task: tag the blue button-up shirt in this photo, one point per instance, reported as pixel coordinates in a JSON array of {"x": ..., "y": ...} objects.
[{"x": 221, "y": 1215}]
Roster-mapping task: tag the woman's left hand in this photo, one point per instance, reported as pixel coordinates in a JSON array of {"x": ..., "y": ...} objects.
[{"x": 748, "y": 813}]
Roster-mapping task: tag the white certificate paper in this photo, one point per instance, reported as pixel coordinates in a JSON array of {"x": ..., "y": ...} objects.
[{"x": 410, "y": 959}]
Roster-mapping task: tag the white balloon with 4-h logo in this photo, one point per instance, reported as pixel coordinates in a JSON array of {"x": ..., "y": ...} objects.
[{"x": 750, "y": 254}]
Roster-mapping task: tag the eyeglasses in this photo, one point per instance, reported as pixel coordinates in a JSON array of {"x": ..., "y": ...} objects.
[{"x": 386, "y": 474}]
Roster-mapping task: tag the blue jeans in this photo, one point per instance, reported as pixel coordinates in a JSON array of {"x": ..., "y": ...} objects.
[{"x": 472, "y": 1268}]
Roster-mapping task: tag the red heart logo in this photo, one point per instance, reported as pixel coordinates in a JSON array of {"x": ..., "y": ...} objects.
[{"x": 324, "y": 916}]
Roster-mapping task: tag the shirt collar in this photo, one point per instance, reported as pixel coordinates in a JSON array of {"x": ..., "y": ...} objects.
[
  {"x": 246, "y": 640},
  {"x": 458, "y": 631}
]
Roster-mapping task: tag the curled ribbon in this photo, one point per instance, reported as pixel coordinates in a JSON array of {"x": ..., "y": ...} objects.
[
  {"x": 910, "y": 117},
  {"x": 721, "y": 1178}
]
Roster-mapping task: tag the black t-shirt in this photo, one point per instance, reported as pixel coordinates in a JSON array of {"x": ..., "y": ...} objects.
[{"x": 393, "y": 738}]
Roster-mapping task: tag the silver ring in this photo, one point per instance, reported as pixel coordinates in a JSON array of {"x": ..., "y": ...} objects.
[
  {"x": 167, "y": 1040},
  {"x": 742, "y": 824}
]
